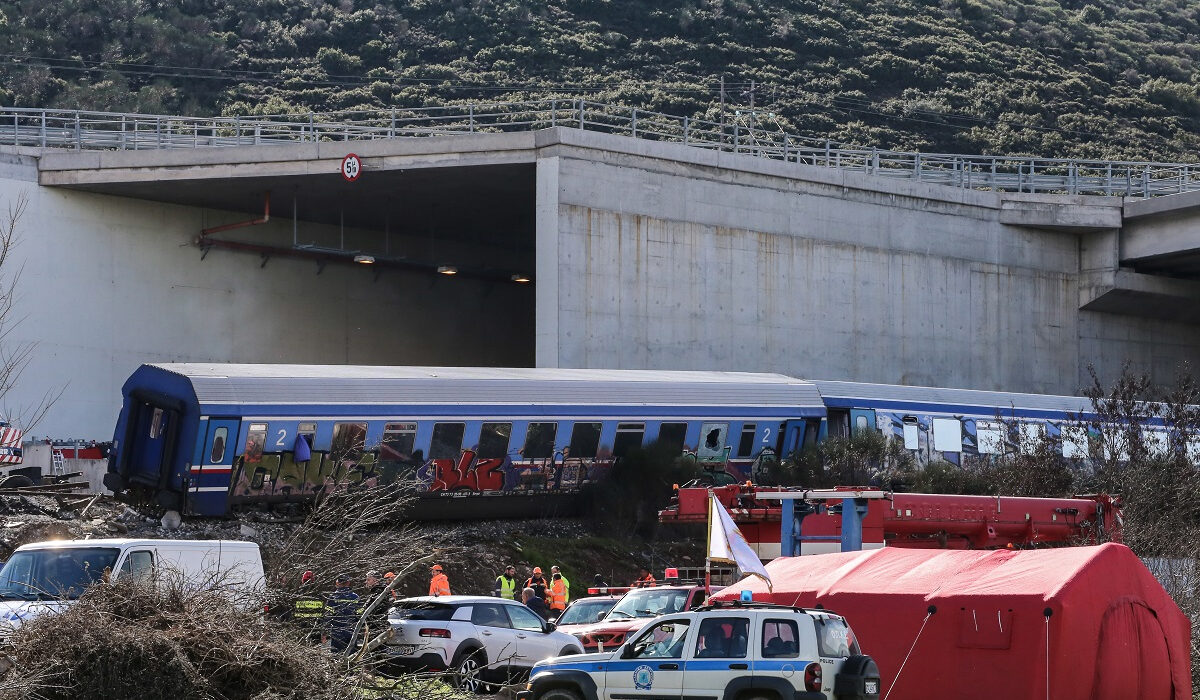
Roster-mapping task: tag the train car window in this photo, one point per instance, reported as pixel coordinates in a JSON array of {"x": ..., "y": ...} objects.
[
  {"x": 255, "y": 442},
  {"x": 912, "y": 433},
  {"x": 1116, "y": 444},
  {"x": 399, "y": 439},
  {"x": 218, "y": 447},
  {"x": 1032, "y": 435},
  {"x": 493, "y": 440},
  {"x": 947, "y": 435},
  {"x": 309, "y": 432},
  {"x": 673, "y": 434},
  {"x": 1158, "y": 443},
  {"x": 746, "y": 444},
  {"x": 156, "y": 424},
  {"x": 447, "y": 440},
  {"x": 629, "y": 437},
  {"x": 1074, "y": 441},
  {"x": 712, "y": 440},
  {"x": 990, "y": 436},
  {"x": 349, "y": 441},
  {"x": 1193, "y": 450},
  {"x": 585, "y": 440},
  {"x": 539, "y": 441}
]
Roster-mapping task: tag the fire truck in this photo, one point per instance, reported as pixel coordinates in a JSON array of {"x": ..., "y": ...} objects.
[{"x": 915, "y": 520}]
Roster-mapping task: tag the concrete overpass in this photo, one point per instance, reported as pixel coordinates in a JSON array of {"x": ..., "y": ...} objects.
[{"x": 642, "y": 254}]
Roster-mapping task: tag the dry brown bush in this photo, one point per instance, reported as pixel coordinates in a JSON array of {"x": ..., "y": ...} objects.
[{"x": 168, "y": 641}]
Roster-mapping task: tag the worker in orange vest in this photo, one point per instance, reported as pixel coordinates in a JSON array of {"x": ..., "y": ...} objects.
[
  {"x": 645, "y": 579},
  {"x": 558, "y": 593},
  {"x": 438, "y": 584}
]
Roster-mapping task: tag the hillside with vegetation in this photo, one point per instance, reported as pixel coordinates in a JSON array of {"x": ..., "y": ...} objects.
[{"x": 1078, "y": 78}]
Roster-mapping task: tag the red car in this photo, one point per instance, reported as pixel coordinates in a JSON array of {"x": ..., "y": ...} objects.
[
  {"x": 634, "y": 610},
  {"x": 583, "y": 612}
]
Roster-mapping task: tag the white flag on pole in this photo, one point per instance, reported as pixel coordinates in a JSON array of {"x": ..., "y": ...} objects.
[{"x": 727, "y": 545}]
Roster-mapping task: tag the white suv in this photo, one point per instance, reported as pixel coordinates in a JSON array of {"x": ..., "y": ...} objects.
[
  {"x": 730, "y": 650},
  {"x": 477, "y": 638}
]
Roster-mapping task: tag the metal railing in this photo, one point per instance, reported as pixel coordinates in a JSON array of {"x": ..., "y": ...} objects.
[{"x": 81, "y": 130}]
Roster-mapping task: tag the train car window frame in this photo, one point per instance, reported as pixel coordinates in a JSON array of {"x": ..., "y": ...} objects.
[
  {"x": 256, "y": 442},
  {"x": 912, "y": 433},
  {"x": 349, "y": 441},
  {"x": 1193, "y": 450},
  {"x": 947, "y": 435},
  {"x": 157, "y": 423},
  {"x": 714, "y": 438},
  {"x": 500, "y": 433},
  {"x": 989, "y": 437},
  {"x": 407, "y": 433},
  {"x": 585, "y": 445},
  {"x": 221, "y": 439},
  {"x": 1115, "y": 438},
  {"x": 747, "y": 440},
  {"x": 672, "y": 426},
  {"x": 1032, "y": 435},
  {"x": 624, "y": 441},
  {"x": 545, "y": 432},
  {"x": 439, "y": 449},
  {"x": 1158, "y": 442},
  {"x": 1074, "y": 441}
]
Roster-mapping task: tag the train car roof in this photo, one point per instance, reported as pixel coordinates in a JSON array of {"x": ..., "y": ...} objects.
[
  {"x": 262, "y": 384},
  {"x": 892, "y": 396}
]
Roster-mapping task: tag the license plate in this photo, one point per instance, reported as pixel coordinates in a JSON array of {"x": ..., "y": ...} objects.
[
  {"x": 872, "y": 687},
  {"x": 406, "y": 649}
]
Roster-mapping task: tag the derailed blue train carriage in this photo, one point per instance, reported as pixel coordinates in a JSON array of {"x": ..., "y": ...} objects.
[{"x": 484, "y": 442}]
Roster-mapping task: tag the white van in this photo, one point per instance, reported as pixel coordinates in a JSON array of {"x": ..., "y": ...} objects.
[{"x": 47, "y": 575}]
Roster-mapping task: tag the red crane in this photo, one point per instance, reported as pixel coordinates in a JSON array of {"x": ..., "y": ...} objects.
[{"x": 921, "y": 520}]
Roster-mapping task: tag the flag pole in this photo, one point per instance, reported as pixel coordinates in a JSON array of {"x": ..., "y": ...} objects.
[{"x": 708, "y": 550}]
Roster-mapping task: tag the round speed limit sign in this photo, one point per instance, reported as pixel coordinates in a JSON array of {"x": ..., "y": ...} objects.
[{"x": 351, "y": 167}]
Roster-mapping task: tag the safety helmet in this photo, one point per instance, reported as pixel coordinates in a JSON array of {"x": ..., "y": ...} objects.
[
  {"x": 537, "y": 570},
  {"x": 437, "y": 567}
]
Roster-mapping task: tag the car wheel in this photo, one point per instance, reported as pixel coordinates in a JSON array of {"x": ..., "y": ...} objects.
[
  {"x": 569, "y": 651},
  {"x": 559, "y": 694},
  {"x": 467, "y": 671}
]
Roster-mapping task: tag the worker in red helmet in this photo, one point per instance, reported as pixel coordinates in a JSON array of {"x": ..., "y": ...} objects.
[{"x": 439, "y": 585}]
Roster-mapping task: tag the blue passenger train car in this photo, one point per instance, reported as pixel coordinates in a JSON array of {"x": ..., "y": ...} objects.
[{"x": 484, "y": 442}]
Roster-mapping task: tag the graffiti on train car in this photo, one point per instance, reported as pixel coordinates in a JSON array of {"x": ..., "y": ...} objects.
[{"x": 278, "y": 477}]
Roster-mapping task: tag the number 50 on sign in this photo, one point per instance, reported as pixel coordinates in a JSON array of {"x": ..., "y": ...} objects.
[{"x": 351, "y": 167}]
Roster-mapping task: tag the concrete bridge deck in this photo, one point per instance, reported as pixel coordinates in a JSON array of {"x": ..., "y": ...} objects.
[{"x": 642, "y": 254}]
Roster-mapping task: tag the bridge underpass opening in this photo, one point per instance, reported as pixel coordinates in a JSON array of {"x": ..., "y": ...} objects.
[{"x": 444, "y": 272}]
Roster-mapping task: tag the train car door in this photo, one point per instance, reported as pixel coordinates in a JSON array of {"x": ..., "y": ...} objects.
[
  {"x": 152, "y": 444},
  {"x": 210, "y": 478}
]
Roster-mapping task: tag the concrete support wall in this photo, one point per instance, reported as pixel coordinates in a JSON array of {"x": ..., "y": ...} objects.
[
  {"x": 111, "y": 282},
  {"x": 687, "y": 266}
]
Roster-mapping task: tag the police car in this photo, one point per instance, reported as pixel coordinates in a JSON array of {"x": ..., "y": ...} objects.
[{"x": 727, "y": 650}]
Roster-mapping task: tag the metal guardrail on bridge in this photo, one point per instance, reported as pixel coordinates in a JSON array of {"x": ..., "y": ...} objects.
[{"x": 82, "y": 130}]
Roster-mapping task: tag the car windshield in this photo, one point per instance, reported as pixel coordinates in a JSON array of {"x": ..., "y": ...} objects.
[
  {"x": 55, "y": 573},
  {"x": 417, "y": 610},
  {"x": 585, "y": 611},
  {"x": 649, "y": 602}
]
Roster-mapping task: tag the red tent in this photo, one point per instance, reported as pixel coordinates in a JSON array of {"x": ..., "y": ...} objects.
[{"x": 1092, "y": 622}]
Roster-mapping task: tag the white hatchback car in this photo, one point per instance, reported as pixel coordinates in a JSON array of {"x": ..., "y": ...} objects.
[
  {"x": 746, "y": 650},
  {"x": 478, "y": 638}
]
